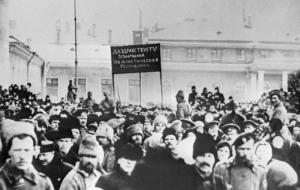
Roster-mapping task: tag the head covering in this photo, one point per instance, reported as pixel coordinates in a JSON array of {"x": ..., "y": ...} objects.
[
  {"x": 47, "y": 146},
  {"x": 115, "y": 123},
  {"x": 180, "y": 94},
  {"x": 92, "y": 118},
  {"x": 209, "y": 117},
  {"x": 79, "y": 112},
  {"x": 204, "y": 143},
  {"x": 222, "y": 144},
  {"x": 135, "y": 129},
  {"x": 129, "y": 151},
  {"x": 169, "y": 131},
  {"x": 230, "y": 125},
  {"x": 54, "y": 117},
  {"x": 63, "y": 134},
  {"x": 276, "y": 93},
  {"x": 187, "y": 124},
  {"x": 281, "y": 176},
  {"x": 105, "y": 130},
  {"x": 12, "y": 128},
  {"x": 177, "y": 126},
  {"x": 250, "y": 122},
  {"x": 160, "y": 119},
  {"x": 211, "y": 124},
  {"x": 90, "y": 146},
  {"x": 230, "y": 106},
  {"x": 243, "y": 138},
  {"x": 276, "y": 124}
]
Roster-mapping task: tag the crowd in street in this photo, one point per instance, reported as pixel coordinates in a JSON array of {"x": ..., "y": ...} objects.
[{"x": 209, "y": 142}]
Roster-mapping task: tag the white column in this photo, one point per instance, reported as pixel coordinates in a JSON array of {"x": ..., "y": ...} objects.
[
  {"x": 260, "y": 82},
  {"x": 284, "y": 80},
  {"x": 253, "y": 86},
  {"x": 4, "y": 44}
]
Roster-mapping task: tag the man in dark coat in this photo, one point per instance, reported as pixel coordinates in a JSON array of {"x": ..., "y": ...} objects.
[
  {"x": 200, "y": 174},
  {"x": 50, "y": 163},
  {"x": 161, "y": 169},
  {"x": 192, "y": 96},
  {"x": 121, "y": 178},
  {"x": 232, "y": 116}
]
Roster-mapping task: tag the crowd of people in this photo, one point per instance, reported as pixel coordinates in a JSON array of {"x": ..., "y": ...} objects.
[{"x": 207, "y": 143}]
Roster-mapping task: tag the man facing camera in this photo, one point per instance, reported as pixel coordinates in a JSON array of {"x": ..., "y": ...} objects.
[{"x": 18, "y": 172}]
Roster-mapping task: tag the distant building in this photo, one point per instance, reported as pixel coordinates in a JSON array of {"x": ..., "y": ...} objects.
[
  {"x": 242, "y": 62},
  {"x": 26, "y": 66}
]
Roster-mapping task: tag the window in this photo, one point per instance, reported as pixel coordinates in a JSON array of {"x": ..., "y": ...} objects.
[
  {"x": 81, "y": 87},
  {"x": 166, "y": 53},
  {"x": 216, "y": 54},
  {"x": 106, "y": 85},
  {"x": 134, "y": 91},
  {"x": 264, "y": 54},
  {"x": 288, "y": 53},
  {"x": 191, "y": 53},
  {"x": 240, "y": 53},
  {"x": 52, "y": 86}
]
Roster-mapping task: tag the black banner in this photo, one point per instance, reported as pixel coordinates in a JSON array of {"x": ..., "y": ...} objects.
[{"x": 135, "y": 58}]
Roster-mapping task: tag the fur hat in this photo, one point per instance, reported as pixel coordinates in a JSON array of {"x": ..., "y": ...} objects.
[
  {"x": 135, "y": 129},
  {"x": 92, "y": 118},
  {"x": 129, "y": 151},
  {"x": 160, "y": 119},
  {"x": 281, "y": 176},
  {"x": 169, "y": 131},
  {"x": 115, "y": 123},
  {"x": 12, "y": 128},
  {"x": 204, "y": 143},
  {"x": 105, "y": 130},
  {"x": 69, "y": 123},
  {"x": 90, "y": 146}
]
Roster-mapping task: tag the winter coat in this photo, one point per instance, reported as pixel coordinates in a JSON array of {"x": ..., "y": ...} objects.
[
  {"x": 280, "y": 113},
  {"x": 196, "y": 182},
  {"x": 160, "y": 171},
  {"x": 281, "y": 176},
  {"x": 11, "y": 178},
  {"x": 56, "y": 170},
  {"x": 72, "y": 156},
  {"x": 117, "y": 180},
  {"x": 183, "y": 110},
  {"x": 233, "y": 117},
  {"x": 77, "y": 179},
  {"x": 109, "y": 160},
  {"x": 229, "y": 175}
]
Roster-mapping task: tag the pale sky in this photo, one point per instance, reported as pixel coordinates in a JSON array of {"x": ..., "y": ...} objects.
[{"x": 37, "y": 19}]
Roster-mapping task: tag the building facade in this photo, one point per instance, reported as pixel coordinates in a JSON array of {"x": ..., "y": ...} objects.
[
  {"x": 26, "y": 66},
  {"x": 242, "y": 62}
]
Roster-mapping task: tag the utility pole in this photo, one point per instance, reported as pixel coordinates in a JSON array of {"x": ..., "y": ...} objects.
[{"x": 76, "y": 59}]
